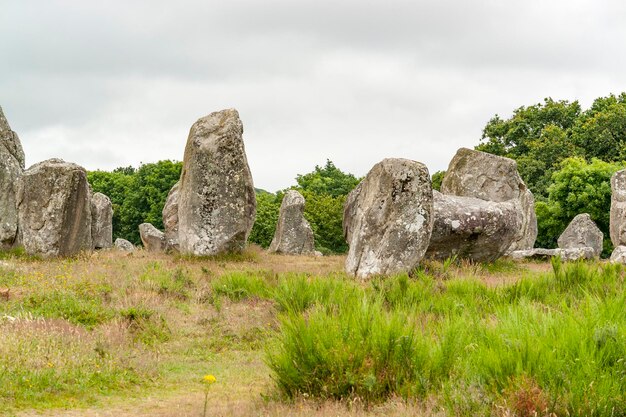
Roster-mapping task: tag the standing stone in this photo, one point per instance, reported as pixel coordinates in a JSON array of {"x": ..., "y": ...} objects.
[
  {"x": 11, "y": 167},
  {"x": 493, "y": 178},
  {"x": 388, "y": 219},
  {"x": 217, "y": 201},
  {"x": 152, "y": 238},
  {"x": 101, "y": 221},
  {"x": 582, "y": 232},
  {"x": 170, "y": 218},
  {"x": 618, "y": 208},
  {"x": 124, "y": 245},
  {"x": 53, "y": 201},
  {"x": 472, "y": 228},
  {"x": 294, "y": 235}
]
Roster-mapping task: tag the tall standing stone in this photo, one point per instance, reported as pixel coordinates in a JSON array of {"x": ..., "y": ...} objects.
[
  {"x": 388, "y": 219},
  {"x": 11, "y": 167},
  {"x": 101, "y": 221},
  {"x": 493, "y": 178},
  {"x": 53, "y": 201},
  {"x": 618, "y": 208},
  {"x": 294, "y": 235},
  {"x": 170, "y": 218},
  {"x": 217, "y": 202}
]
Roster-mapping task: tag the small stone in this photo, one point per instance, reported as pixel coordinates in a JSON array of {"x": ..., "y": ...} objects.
[
  {"x": 124, "y": 245},
  {"x": 294, "y": 235},
  {"x": 152, "y": 238},
  {"x": 619, "y": 255},
  {"x": 582, "y": 232}
]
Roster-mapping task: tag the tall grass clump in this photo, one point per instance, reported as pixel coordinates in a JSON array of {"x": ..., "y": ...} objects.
[
  {"x": 238, "y": 286},
  {"x": 298, "y": 292}
]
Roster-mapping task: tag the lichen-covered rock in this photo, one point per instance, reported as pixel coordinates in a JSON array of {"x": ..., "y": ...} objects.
[
  {"x": 618, "y": 208},
  {"x": 170, "y": 218},
  {"x": 472, "y": 228},
  {"x": 101, "y": 221},
  {"x": 152, "y": 238},
  {"x": 493, "y": 178},
  {"x": 571, "y": 254},
  {"x": 582, "y": 232},
  {"x": 619, "y": 255},
  {"x": 388, "y": 219},
  {"x": 11, "y": 167},
  {"x": 294, "y": 235},
  {"x": 124, "y": 245},
  {"x": 217, "y": 201},
  {"x": 54, "y": 209}
]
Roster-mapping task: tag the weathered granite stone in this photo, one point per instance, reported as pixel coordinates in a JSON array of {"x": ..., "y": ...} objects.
[
  {"x": 101, "y": 221},
  {"x": 472, "y": 228},
  {"x": 170, "y": 218},
  {"x": 388, "y": 219},
  {"x": 619, "y": 255},
  {"x": 618, "y": 208},
  {"x": 571, "y": 254},
  {"x": 582, "y": 232},
  {"x": 11, "y": 167},
  {"x": 217, "y": 201},
  {"x": 493, "y": 178},
  {"x": 294, "y": 235},
  {"x": 54, "y": 209},
  {"x": 152, "y": 238},
  {"x": 124, "y": 245}
]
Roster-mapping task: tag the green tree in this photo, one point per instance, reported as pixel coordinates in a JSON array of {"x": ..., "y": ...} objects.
[
  {"x": 267, "y": 209},
  {"x": 578, "y": 187},
  {"x": 437, "y": 179},
  {"x": 327, "y": 180}
]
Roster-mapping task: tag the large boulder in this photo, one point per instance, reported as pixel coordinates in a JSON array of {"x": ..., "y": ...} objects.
[
  {"x": 582, "y": 232},
  {"x": 170, "y": 218},
  {"x": 217, "y": 201},
  {"x": 472, "y": 228},
  {"x": 618, "y": 208},
  {"x": 294, "y": 235},
  {"x": 152, "y": 238},
  {"x": 493, "y": 178},
  {"x": 53, "y": 201},
  {"x": 388, "y": 219},
  {"x": 101, "y": 221},
  {"x": 11, "y": 167}
]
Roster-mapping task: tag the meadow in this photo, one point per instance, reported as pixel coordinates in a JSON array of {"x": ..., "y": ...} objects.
[{"x": 115, "y": 334}]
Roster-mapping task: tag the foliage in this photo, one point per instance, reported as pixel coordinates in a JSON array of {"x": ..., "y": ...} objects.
[
  {"x": 437, "y": 179},
  {"x": 327, "y": 180},
  {"x": 138, "y": 195},
  {"x": 578, "y": 187},
  {"x": 267, "y": 209},
  {"x": 325, "y": 214}
]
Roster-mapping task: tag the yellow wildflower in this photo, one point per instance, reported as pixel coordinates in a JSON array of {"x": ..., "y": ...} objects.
[{"x": 209, "y": 379}]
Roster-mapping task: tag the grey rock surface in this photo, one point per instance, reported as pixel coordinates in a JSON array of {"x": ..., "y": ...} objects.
[
  {"x": 101, "y": 221},
  {"x": 170, "y": 218},
  {"x": 618, "y": 208},
  {"x": 217, "y": 201},
  {"x": 572, "y": 254},
  {"x": 54, "y": 209},
  {"x": 582, "y": 232},
  {"x": 619, "y": 255},
  {"x": 472, "y": 228},
  {"x": 11, "y": 167},
  {"x": 152, "y": 238},
  {"x": 388, "y": 219},
  {"x": 493, "y": 178},
  {"x": 124, "y": 245},
  {"x": 293, "y": 235}
]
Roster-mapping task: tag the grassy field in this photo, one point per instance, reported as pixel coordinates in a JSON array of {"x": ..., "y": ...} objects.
[{"x": 111, "y": 334}]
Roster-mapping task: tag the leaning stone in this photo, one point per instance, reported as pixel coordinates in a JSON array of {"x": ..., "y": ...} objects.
[
  {"x": 472, "y": 228},
  {"x": 493, "y": 178},
  {"x": 101, "y": 221},
  {"x": 582, "y": 232},
  {"x": 619, "y": 255},
  {"x": 170, "y": 218},
  {"x": 217, "y": 201},
  {"x": 124, "y": 245},
  {"x": 388, "y": 219},
  {"x": 618, "y": 208},
  {"x": 152, "y": 238},
  {"x": 294, "y": 235},
  {"x": 54, "y": 208},
  {"x": 11, "y": 167}
]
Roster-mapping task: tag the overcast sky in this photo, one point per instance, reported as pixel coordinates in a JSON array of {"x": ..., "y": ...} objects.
[{"x": 116, "y": 83}]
